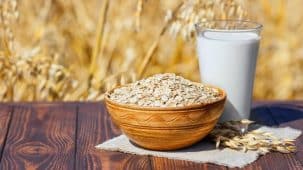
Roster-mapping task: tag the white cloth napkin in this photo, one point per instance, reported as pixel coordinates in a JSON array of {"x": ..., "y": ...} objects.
[{"x": 202, "y": 152}]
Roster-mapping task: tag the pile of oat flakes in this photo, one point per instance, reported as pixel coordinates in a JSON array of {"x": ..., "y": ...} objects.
[{"x": 164, "y": 90}]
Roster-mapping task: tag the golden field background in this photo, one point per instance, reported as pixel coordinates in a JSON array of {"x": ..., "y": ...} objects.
[{"x": 76, "y": 50}]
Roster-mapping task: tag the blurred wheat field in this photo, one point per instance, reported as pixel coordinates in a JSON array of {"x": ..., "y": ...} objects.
[{"x": 76, "y": 50}]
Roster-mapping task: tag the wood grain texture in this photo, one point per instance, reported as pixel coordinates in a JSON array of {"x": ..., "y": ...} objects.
[
  {"x": 57, "y": 136},
  {"x": 299, "y": 143},
  {"x": 41, "y": 137},
  {"x": 5, "y": 115},
  {"x": 94, "y": 127},
  {"x": 169, "y": 164},
  {"x": 267, "y": 114},
  {"x": 290, "y": 115},
  {"x": 166, "y": 128},
  {"x": 274, "y": 161},
  {"x": 277, "y": 114}
]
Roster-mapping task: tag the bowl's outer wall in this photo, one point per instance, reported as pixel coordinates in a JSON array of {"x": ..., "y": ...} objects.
[{"x": 166, "y": 130}]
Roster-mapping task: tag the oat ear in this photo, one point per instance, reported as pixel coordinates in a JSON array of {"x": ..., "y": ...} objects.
[{"x": 255, "y": 140}]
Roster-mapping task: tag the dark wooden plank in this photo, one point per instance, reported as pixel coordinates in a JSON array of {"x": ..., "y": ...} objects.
[
  {"x": 275, "y": 114},
  {"x": 262, "y": 115},
  {"x": 270, "y": 161},
  {"x": 94, "y": 126},
  {"x": 277, "y": 102},
  {"x": 5, "y": 115},
  {"x": 298, "y": 124},
  {"x": 291, "y": 115},
  {"x": 169, "y": 164},
  {"x": 274, "y": 161},
  {"x": 41, "y": 137},
  {"x": 286, "y": 113}
]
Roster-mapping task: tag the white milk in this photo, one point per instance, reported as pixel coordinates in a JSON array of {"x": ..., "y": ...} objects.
[{"x": 228, "y": 60}]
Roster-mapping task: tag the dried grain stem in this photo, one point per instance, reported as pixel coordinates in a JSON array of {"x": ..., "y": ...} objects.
[
  {"x": 229, "y": 134},
  {"x": 81, "y": 14},
  {"x": 111, "y": 53},
  {"x": 7, "y": 51},
  {"x": 99, "y": 38},
  {"x": 154, "y": 46},
  {"x": 138, "y": 14}
]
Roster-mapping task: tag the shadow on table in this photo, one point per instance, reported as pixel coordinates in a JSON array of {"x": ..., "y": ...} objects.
[
  {"x": 276, "y": 114},
  {"x": 269, "y": 115},
  {"x": 204, "y": 145}
]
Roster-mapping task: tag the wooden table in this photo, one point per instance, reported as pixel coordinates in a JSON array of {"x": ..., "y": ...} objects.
[{"x": 63, "y": 136}]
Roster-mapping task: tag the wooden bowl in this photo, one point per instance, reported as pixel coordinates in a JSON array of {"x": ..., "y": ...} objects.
[{"x": 166, "y": 128}]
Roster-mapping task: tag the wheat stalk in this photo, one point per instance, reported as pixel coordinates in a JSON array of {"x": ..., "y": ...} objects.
[
  {"x": 138, "y": 14},
  {"x": 88, "y": 42},
  {"x": 229, "y": 134},
  {"x": 99, "y": 43},
  {"x": 154, "y": 46}
]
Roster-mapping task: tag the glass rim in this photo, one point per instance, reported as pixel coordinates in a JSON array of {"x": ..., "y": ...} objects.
[{"x": 256, "y": 26}]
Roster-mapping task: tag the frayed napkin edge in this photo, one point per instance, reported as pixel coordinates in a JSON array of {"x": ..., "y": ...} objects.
[{"x": 256, "y": 156}]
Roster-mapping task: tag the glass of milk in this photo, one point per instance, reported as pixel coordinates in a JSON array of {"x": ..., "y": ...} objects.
[{"x": 228, "y": 53}]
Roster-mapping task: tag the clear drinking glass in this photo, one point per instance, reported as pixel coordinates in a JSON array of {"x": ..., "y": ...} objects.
[{"x": 228, "y": 51}]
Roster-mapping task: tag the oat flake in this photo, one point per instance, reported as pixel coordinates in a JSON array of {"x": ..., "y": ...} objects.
[{"x": 164, "y": 90}]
